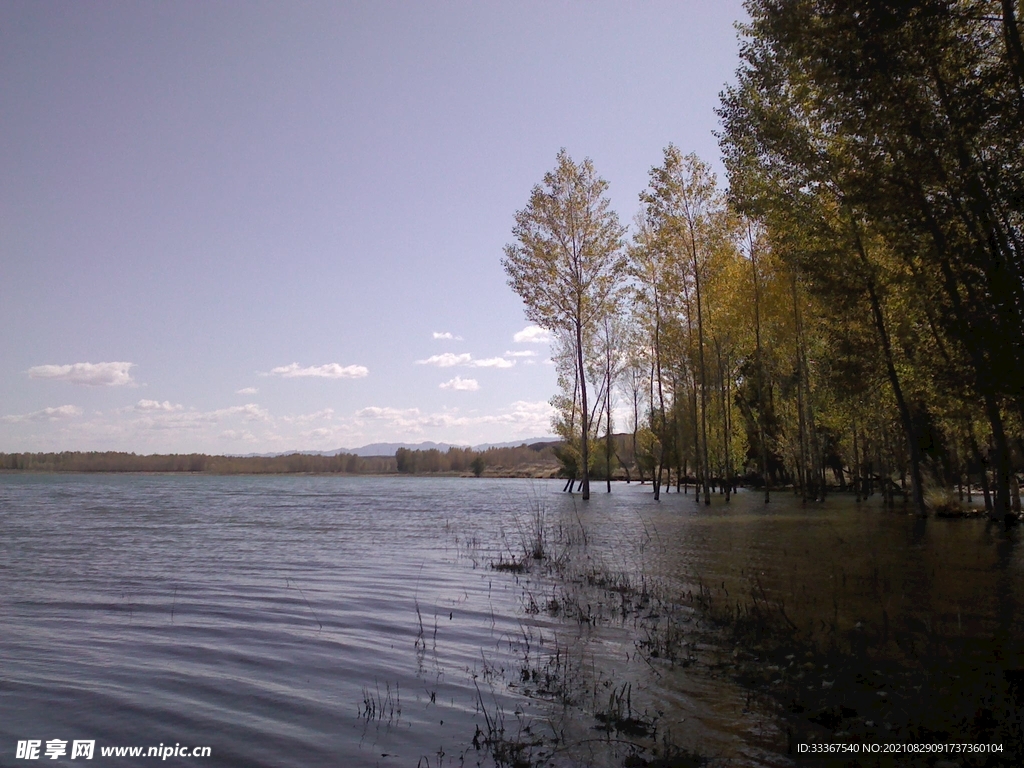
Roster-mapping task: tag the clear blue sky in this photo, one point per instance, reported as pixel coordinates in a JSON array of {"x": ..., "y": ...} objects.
[{"x": 239, "y": 227}]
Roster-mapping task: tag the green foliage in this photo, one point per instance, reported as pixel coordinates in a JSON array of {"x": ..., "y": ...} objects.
[
  {"x": 538, "y": 458},
  {"x": 882, "y": 145},
  {"x": 648, "y": 450},
  {"x": 566, "y": 261},
  {"x": 857, "y": 308},
  {"x": 566, "y": 265},
  {"x": 478, "y": 465}
]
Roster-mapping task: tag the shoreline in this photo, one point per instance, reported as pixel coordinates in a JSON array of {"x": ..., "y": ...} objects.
[
  {"x": 973, "y": 509},
  {"x": 511, "y": 475}
]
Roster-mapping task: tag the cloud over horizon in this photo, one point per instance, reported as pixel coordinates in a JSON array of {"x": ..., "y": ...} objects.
[
  {"x": 167, "y": 427},
  {"x": 450, "y": 359},
  {"x": 461, "y": 385},
  {"x": 522, "y": 417},
  {"x": 325, "y": 414},
  {"x": 492, "y": 362},
  {"x": 249, "y": 412},
  {"x": 446, "y": 360},
  {"x": 153, "y": 405},
  {"x": 91, "y": 374},
  {"x": 46, "y": 414},
  {"x": 328, "y": 371}
]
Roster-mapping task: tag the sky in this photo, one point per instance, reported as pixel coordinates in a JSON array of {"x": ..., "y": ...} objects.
[{"x": 261, "y": 227}]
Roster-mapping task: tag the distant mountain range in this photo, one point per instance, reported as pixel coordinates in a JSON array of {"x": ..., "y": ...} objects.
[{"x": 388, "y": 449}]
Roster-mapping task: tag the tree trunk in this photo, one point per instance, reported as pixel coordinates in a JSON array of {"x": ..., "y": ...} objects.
[
  {"x": 801, "y": 470},
  {"x": 856, "y": 466},
  {"x": 584, "y": 414},
  {"x": 703, "y": 371},
  {"x": 660, "y": 431},
  {"x": 636, "y": 422},
  {"x": 760, "y": 368},
  {"x": 723, "y": 378},
  {"x": 913, "y": 444},
  {"x": 608, "y": 396}
]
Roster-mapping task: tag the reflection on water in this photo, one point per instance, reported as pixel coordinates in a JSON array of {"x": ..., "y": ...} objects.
[
  {"x": 844, "y": 563},
  {"x": 322, "y": 620}
]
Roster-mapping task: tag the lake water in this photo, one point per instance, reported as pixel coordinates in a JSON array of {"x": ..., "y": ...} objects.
[{"x": 308, "y": 621}]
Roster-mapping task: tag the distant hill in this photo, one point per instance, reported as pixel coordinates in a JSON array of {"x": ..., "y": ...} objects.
[
  {"x": 388, "y": 449},
  {"x": 516, "y": 443}
]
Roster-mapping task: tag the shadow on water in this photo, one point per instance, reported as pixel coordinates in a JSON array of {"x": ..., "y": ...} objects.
[
  {"x": 826, "y": 623},
  {"x": 860, "y": 624}
]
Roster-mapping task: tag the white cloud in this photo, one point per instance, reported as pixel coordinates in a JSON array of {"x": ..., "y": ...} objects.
[
  {"x": 530, "y": 418},
  {"x": 532, "y": 334},
  {"x": 447, "y": 336},
  {"x": 447, "y": 360},
  {"x": 376, "y": 412},
  {"x": 409, "y": 420},
  {"x": 246, "y": 391},
  {"x": 238, "y": 434},
  {"x": 522, "y": 353},
  {"x": 164, "y": 427},
  {"x": 47, "y": 414},
  {"x": 492, "y": 362},
  {"x": 328, "y": 371},
  {"x": 521, "y": 417},
  {"x": 154, "y": 405},
  {"x": 160, "y": 418},
  {"x": 93, "y": 374},
  {"x": 324, "y": 415},
  {"x": 249, "y": 412},
  {"x": 461, "y": 385}
]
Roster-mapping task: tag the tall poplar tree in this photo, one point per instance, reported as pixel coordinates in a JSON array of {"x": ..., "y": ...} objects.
[
  {"x": 566, "y": 264},
  {"x": 685, "y": 207}
]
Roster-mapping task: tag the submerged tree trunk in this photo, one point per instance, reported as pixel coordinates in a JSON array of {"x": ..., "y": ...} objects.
[
  {"x": 1001, "y": 457},
  {"x": 723, "y": 378},
  {"x": 660, "y": 433},
  {"x": 703, "y": 449},
  {"x": 801, "y": 469},
  {"x": 982, "y": 471},
  {"x": 856, "y": 466},
  {"x": 760, "y": 367},
  {"x": 913, "y": 444},
  {"x": 584, "y": 414},
  {"x": 608, "y": 448}
]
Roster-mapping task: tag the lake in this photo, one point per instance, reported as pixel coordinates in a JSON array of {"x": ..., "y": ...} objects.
[{"x": 308, "y": 620}]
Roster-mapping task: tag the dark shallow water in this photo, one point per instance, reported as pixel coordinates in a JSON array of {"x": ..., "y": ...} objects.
[{"x": 307, "y": 621}]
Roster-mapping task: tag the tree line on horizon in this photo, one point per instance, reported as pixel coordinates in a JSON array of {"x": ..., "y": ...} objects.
[
  {"x": 118, "y": 461},
  {"x": 849, "y": 311},
  {"x": 507, "y": 459}
]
